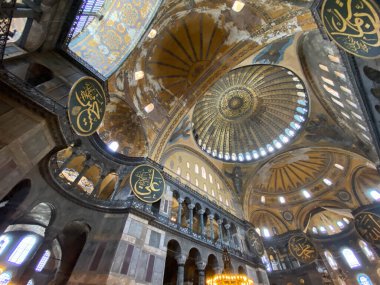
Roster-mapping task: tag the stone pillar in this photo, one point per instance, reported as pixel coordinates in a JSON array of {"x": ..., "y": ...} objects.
[
  {"x": 181, "y": 260},
  {"x": 81, "y": 174},
  {"x": 116, "y": 188},
  {"x": 201, "y": 272},
  {"x": 201, "y": 221},
  {"x": 179, "y": 213},
  {"x": 191, "y": 208},
  {"x": 211, "y": 219},
  {"x": 227, "y": 227},
  {"x": 220, "y": 221},
  {"x": 96, "y": 190}
]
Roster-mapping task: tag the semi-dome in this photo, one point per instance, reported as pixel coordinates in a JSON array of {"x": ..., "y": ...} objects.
[{"x": 250, "y": 113}]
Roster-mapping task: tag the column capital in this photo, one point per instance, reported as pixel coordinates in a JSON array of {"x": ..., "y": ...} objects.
[
  {"x": 181, "y": 259},
  {"x": 190, "y": 206},
  {"x": 219, "y": 221},
  {"x": 211, "y": 216},
  {"x": 201, "y": 211},
  {"x": 180, "y": 200},
  {"x": 227, "y": 226},
  {"x": 201, "y": 265}
]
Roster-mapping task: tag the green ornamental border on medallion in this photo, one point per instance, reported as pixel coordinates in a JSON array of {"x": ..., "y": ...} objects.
[
  {"x": 138, "y": 196},
  {"x": 376, "y": 8},
  {"x": 70, "y": 108}
]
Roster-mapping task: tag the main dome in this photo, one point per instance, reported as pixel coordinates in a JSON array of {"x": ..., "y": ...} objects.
[{"x": 250, "y": 113}]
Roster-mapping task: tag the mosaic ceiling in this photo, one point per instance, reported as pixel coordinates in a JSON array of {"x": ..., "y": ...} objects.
[
  {"x": 250, "y": 113},
  {"x": 105, "y": 44}
]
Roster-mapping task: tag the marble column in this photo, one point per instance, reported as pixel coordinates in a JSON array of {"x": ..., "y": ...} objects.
[
  {"x": 227, "y": 227},
  {"x": 96, "y": 190},
  {"x": 116, "y": 188},
  {"x": 220, "y": 221},
  {"x": 81, "y": 174},
  {"x": 201, "y": 272},
  {"x": 179, "y": 213},
  {"x": 191, "y": 208},
  {"x": 181, "y": 260},
  {"x": 211, "y": 219},
  {"x": 201, "y": 221}
]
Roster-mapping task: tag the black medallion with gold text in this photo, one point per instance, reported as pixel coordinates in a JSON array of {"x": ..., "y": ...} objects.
[
  {"x": 254, "y": 240},
  {"x": 147, "y": 183},
  {"x": 302, "y": 249},
  {"x": 368, "y": 226},
  {"x": 354, "y": 25},
  {"x": 86, "y": 106}
]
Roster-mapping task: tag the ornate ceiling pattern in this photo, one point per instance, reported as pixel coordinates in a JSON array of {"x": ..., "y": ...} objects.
[
  {"x": 184, "y": 51},
  {"x": 250, "y": 113},
  {"x": 122, "y": 125},
  {"x": 106, "y": 43}
]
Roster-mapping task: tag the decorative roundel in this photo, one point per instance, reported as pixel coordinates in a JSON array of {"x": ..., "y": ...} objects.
[
  {"x": 368, "y": 226},
  {"x": 254, "y": 240},
  {"x": 344, "y": 196},
  {"x": 302, "y": 249},
  {"x": 250, "y": 113},
  {"x": 288, "y": 216}
]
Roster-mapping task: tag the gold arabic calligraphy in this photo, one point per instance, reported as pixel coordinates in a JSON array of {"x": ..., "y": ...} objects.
[
  {"x": 302, "y": 249},
  {"x": 354, "y": 25},
  {"x": 147, "y": 183}
]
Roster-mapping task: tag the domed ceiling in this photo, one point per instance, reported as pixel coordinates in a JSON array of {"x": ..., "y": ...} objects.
[
  {"x": 122, "y": 125},
  {"x": 313, "y": 170},
  {"x": 250, "y": 113},
  {"x": 183, "y": 52}
]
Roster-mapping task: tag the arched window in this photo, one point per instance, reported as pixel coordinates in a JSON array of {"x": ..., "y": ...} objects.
[
  {"x": 178, "y": 170},
  {"x": 188, "y": 176},
  {"x": 363, "y": 279},
  {"x": 23, "y": 249},
  {"x": 331, "y": 260},
  {"x": 367, "y": 251},
  {"x": 44, "y": 259},
  {"x": 375, "y": 195},
  {"x": 196, "y": 182},
  {"x": 204, "y": 172},
  {"x": 351, "y": 258},
  {"x": 205, "y": 187},
  {"x": 266, "y": 232},
  {"x": 210, "y": 177},
  {"x": 5, "y": 278},
  {"x": 196, "y": 168},
  {"x": 4, "y": 241}
]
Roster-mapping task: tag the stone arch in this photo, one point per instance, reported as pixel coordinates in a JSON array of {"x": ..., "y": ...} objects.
[
  {"x": 72, "y": 240},
  {"x": 242, "y": 270},
  {"x": 191, "y": 266},
  {"x": 266, "y": 219},
  {"x": 212, "y": 266},
  {"x": 364, "y": 180},
  {"x": 174, "y": 252}
]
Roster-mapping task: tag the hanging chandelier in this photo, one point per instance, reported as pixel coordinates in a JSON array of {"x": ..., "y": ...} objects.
[{"x": 229, "y": 279}]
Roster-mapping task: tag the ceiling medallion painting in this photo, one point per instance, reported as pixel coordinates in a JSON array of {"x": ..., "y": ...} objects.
[{"x": 250, "y": 113}]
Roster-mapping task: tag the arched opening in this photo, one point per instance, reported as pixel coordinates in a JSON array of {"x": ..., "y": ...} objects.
[
  {"x": 241, "y": 270},
  {"x": 171, "y": 265},
  {"x": 72, "y": 239},
  {"x": 191, "y": 271},
  {"x": 211, "y": 266}
]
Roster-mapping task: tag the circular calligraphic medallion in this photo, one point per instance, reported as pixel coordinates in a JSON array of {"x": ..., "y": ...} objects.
[
  {"x": 254, "y": 240},
  {"x": 147, "y": 183},
  {"x": 368, "y": 226},
  {"x": 86, "y": 106},
  {"x": 302, "y": 249},
  {"x": 353, "y": 25}
]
